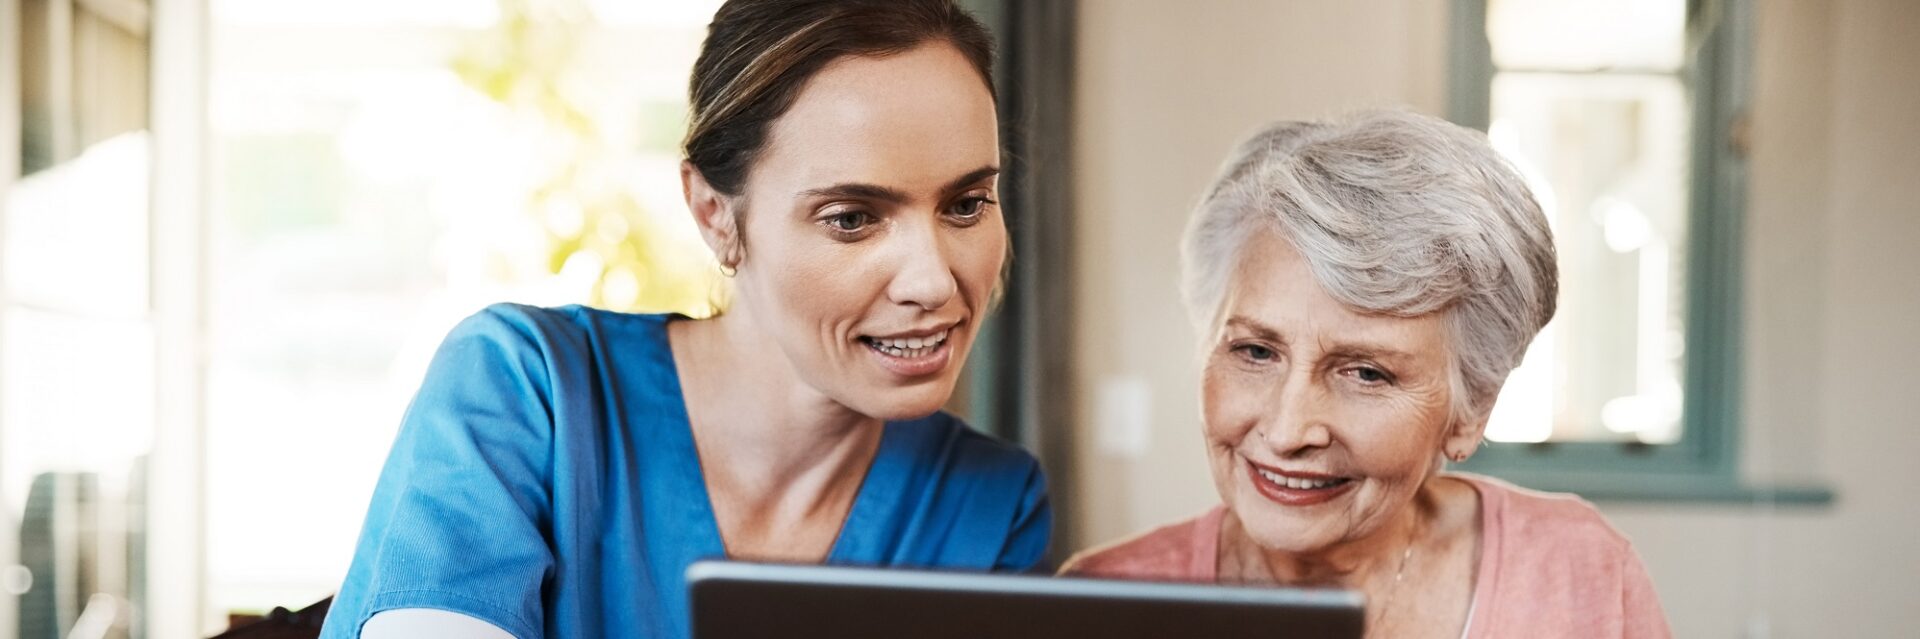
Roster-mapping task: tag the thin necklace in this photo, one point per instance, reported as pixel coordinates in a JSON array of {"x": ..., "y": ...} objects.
[{"x": 1399, "y": 574}]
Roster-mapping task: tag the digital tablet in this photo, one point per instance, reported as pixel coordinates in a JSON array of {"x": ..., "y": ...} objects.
[{"x": 735, "y": 600}]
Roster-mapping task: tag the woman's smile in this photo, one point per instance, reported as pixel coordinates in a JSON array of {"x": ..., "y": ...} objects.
[
  {"x": 911, "y": 354},
  {"x": 1297, "y": 488}
]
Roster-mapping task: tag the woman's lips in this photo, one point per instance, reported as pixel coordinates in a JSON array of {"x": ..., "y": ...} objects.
[
  {"x": 919, "y": 357},
  {"x": 1297, "y": 489}
]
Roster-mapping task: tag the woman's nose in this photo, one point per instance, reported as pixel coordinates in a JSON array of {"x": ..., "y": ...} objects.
[
  {"x": 1298, "y": 421},
  {"x": 925, "y": 276}
]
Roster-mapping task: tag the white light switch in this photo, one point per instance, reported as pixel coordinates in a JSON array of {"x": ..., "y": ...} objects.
[{"x": 1125, "y": 417}]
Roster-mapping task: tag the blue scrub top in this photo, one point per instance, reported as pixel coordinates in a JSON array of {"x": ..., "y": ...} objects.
[{"x": 545, "y": 480}]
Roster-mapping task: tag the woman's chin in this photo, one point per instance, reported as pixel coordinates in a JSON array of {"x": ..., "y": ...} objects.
[
  {"x": 903, "y": 403},
  {"x": 1278, "y": 538},
  {"x": 1282, "y": 529}
]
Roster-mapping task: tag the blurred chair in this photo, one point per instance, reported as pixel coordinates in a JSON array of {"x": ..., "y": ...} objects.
[
  {"x": 283, "y": 624},
  {"x": 54, "y": 535},
  {"x": 84, "y": 558}
]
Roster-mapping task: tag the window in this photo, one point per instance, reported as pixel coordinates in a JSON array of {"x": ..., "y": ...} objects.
[
  {"x": 77, "y": 335},
  {"x": 374, "y": 171},
  {"x": 1621, "y": 117}
]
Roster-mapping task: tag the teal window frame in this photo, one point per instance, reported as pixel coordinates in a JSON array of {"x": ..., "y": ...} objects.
[{"x": 1704, "y": 465}]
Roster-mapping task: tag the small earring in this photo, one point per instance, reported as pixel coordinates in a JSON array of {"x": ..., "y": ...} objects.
[{"x": 730, "y": 261}]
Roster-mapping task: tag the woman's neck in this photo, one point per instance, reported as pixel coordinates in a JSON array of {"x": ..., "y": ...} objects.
[
  {"x": 748, "y": 388},
  {"x": 772, "y": 446}
]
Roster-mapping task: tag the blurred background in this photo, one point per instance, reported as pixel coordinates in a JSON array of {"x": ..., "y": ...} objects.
[{"x": 233, "y": 231}]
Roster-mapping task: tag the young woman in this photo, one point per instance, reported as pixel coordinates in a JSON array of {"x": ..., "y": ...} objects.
[{"x": 560, "y": 468}]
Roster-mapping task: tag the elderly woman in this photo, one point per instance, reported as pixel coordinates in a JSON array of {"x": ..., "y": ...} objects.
[{"x": 1363, "y": 288}]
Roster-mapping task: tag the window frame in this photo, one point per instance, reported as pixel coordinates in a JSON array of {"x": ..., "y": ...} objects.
[
  {"x": 175, "y": 544},
  {"x": 1015, "y": 384},
  {"x": 1704, "y": 465},
  {"x": 10, "y": 141}
]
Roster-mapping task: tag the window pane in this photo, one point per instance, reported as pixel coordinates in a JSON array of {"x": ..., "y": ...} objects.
[
  {"x": 1607, "y": 155},
  {"x": 77, "y": 356},
  {"x": 67, "y": 243},
  {"x": 1587, "y": 34},
  {"x": 60, "y": 366}
]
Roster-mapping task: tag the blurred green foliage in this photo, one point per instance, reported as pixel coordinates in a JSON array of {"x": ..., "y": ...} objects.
[{"x": 592, "y": 218}]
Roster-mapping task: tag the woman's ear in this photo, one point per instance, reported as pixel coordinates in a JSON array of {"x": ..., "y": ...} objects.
[
  {"x": 714, "y": 214},
  {"x": 1465, "y": 434}
]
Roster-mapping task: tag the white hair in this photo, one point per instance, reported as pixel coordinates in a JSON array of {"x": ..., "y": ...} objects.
[{"x": 1397, "y": 214}]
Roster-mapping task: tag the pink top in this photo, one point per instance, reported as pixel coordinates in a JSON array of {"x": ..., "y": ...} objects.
[{"x": 1550, "y": 566}]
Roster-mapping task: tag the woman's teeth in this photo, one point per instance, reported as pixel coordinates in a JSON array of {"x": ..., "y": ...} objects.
[
  {"x": 908, "y": 347},
  {"x": 1300, "y": 484}
]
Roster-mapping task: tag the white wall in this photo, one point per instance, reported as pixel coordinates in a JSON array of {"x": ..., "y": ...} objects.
[
  {"x": 1832, "y": 297},
  {"x": 1833, "y": 293}
]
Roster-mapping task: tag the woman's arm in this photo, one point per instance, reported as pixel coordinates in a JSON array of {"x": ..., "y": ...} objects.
[
  {"x": 458, "y": 517},
  {"x": 410, "y": 623}
]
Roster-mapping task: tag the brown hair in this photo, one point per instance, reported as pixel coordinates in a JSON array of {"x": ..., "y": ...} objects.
[{"x": 759, "y": 53}]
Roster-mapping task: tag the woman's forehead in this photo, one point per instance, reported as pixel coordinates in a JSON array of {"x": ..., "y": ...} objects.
[
  {"x": 914, "y": 121},
  {"x": 1273, "y": 293}
]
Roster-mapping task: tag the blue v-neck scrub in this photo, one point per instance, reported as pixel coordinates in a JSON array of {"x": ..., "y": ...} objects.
[{"x": 545, "y": 480}]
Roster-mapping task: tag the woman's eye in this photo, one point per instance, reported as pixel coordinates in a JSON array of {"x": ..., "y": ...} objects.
[
  {"x": 969, "y": 207},
  {"x": 1256, "y": 352},
  {"x": 850, "y": 222},
  {"x": 1371, "y": 376}
]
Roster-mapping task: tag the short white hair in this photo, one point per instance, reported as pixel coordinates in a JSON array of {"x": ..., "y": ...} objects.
[{"x": 1397, "y": 214}]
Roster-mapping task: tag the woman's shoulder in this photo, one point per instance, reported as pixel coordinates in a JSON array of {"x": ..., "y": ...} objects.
[
  {"x": 1545, "y": 522},
  {"x": 561, "y": 333},
  {"x": 550, "y": 352},
  {"x": 1180, "y": 551},
  {"x": 1552, "y": 565},
  {"x": 547, "y": 323}
]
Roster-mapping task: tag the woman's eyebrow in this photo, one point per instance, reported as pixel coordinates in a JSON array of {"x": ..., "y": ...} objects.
[
  {"x": 1341, "y": 350},
  {"x": 1375, "y": 352},
  {"x": 862, "y": 191},
  {"x": 1258, "y": 329},
  {"x": 971, "y": 177},
  {"x": 858, "y": 191}
]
